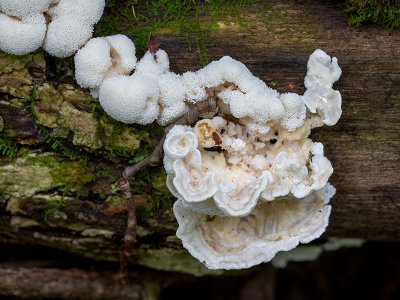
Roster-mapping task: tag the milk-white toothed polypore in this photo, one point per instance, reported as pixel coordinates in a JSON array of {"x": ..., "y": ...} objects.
[
  {"x": 61, "y": 27},
  {"x": 255, "y": 184},
  {"x": 249, "y": 181}
]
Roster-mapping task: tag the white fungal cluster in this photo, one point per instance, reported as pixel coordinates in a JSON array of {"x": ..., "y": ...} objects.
[
  {"x": 151, "y": 93},
  {"x": 61, "y": 27},
  {"x": 249, "y": 181}
]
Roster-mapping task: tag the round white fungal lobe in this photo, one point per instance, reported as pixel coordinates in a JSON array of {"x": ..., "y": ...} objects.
[
  {"x": 89, "y": 11},
  {"x": 102, "y": 58},
  {"x": 123, "y": 54},
  {"x": 179, "y": 142},
  {"x": 324, "y": 101},
  {"x": 130, "y": 99},
  {"x": 92, "y": 62},
  {"x": 287, "y": 168},
  {"x": 295, "y": 111},
  {"x": 242, "y": 242},
  {"x": 171, "y": 187},
  {"x": 65, "y": 35},
  {"x": 22, "y": 36},
  {"x": 321, "y": 70},
  {"x": 153, "y": 64},
  {"x": 169, "y": 166},
  {"x": 23, "y": 8},
  {"x": 194, "y": 87}
]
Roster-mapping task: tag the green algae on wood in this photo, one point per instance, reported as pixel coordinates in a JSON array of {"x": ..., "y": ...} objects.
[{"x": 35, "y": 173}]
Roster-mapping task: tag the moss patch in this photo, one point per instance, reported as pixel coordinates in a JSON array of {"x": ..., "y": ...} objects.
[
  {"x": 34, "y": 173},
  {"x": 194, "y": 19},
  {"x": 383, "y": 12}
]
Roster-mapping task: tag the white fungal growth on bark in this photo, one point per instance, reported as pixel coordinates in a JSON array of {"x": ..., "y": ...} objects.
[
  {"x": 61, "y": 27},
  {"x": 249, "y": 181},
  {"x": 255, "y": 184}
]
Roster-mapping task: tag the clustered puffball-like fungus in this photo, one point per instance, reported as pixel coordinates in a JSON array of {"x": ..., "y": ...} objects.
[
  {"x": 60, "y": 26},
  {"x": 103, "y": 58},
  {"x": 252, "y": 183},
  {"x": 104, "y": 65}
]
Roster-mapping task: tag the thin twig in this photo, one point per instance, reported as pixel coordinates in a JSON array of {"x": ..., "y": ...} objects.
[
  {"x": 207, "y": 106},
  {"x": 130, "y": 232}
]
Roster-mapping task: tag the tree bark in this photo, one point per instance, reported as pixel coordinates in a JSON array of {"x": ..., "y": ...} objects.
[{"x": 59, "y": 190}]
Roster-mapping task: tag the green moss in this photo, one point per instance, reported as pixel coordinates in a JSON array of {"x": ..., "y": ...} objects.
[
  {"x": 382, "y": 12},
  {"x": 14, "y": 76},
  {"x": 195, "y": 19},
  {"x": 35, "y": 173},
  {"x": 8, "y": 148}
]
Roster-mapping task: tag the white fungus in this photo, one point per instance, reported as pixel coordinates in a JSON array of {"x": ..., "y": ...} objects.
[
  {"x": 321, "y": 70},
  {"x": 23, "y": 8},
  {"x": 130, "y": 99},
  {"x": 324, "y": 101},
  {"x": 242, "y": 242},
  {"x": 61, "y": 27},
  {"x": 65, "y": 36},
  {"x": 103, "y": 58},
  {"x": 21, "y": 36},
  {"x": 253, "y": 184}
]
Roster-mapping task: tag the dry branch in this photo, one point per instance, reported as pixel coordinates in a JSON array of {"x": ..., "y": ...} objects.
[{"x": 206, "y": 106}]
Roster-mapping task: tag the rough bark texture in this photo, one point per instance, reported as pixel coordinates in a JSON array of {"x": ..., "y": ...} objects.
[{"x": 65, "y": 198}]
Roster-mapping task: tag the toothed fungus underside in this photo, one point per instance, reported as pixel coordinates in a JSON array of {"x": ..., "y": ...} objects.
[{"x": 61, "y": 27}]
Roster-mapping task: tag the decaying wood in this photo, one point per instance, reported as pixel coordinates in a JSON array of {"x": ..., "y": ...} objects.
[{"x": 364, "y": 147}]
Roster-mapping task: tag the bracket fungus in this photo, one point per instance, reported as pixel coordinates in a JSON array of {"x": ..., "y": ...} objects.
[
  {"x": 60, "y": 26},
  {"x": 249, "y": 181},
  {"x": 253, "y": 183}
]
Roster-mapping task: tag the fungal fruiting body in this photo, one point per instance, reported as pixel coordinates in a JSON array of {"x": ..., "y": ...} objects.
[
  {"x": 249, "y": 181},
  {"x": 61, "y": 27}
]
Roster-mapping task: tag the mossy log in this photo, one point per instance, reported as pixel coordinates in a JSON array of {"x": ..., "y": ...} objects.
[{"x": 57, "y": 184}]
